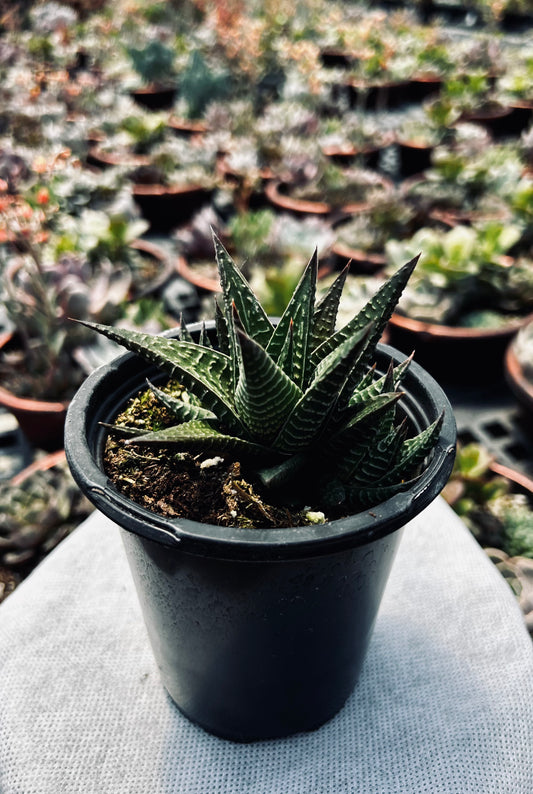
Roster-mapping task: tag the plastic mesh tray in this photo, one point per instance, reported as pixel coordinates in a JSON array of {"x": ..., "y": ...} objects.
[{"x": 492, "y": 417}]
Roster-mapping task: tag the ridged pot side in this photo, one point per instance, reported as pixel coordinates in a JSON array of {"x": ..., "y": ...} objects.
[{"x": 254, "y": 650}]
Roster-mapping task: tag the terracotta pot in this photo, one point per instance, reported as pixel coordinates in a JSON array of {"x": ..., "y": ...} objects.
[
  {"x": 414, "y": 157},
  {"x": 444, "y": 213},
  {"x": 42, "y": 422},
  {"x": 521, "y": 482},
  {"x": 155, "y": 97},
  {"x": 495, "y": 118},
  {"x": 165, "y": 270},
  {"x": 166, "y": 207},
  {"x": 187, "y": 127},
  {"x": 520, "y": 385},
  {"x": 104, "y": 159},
  {"x": 207, "y": 284},
  {"x": 368, "y": 154},
  {"x": 41, "y": 464},
  {"x": 278, "y": 193},
  {"x": 378, "y": 96},
  {"x": 453, "y": 354},
  {"x": 360, "y": 261},
  {"x": 521, "y": 116},
  {"x": 424, "y": 86}
]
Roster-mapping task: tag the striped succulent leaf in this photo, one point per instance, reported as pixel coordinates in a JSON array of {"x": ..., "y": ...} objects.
[{"x": 298, "y": 400}]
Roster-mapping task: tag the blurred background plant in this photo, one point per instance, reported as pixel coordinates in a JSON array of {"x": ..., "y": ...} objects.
[{"x": 37, "y": 511}]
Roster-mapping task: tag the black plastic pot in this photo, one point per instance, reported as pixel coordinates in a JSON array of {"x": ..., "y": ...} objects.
[{"x": 257, "y": 633}]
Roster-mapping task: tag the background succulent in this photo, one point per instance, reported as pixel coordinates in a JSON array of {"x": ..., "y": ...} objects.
[{"x": 297, "y": 401}]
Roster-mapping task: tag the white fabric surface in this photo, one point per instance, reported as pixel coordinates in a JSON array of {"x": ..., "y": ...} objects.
[{"x": 444, "y": 703}]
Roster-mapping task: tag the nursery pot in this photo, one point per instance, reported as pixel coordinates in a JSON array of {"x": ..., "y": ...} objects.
[{"x": 258, "y": 633}]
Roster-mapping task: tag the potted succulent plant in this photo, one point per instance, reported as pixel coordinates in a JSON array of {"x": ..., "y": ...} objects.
[
  {"x": 515, "y": 86},
  {"x": 90, "y": 266},
  {"x": 469, "y": 180},
  {"x": 199, "y": 85},
  {"x": 39, "y": 507},
  {"x": 496, "y": 503},
  {"x": 519, "y": 366},
  {"x": 297, "y": 472},
  {"x": 270, "y": 245},
  {"x": 130, "y": 140},
  {"x": 331, "y": 189},
  {"x": 472, "y": 94},
  {"x": 466, "y": 300},
  {"x": 354, "y": 138},
  {"x": 178, "y": 181},
  {"x": 361, "y": 236},
  {"x": 154, "y": 64}
]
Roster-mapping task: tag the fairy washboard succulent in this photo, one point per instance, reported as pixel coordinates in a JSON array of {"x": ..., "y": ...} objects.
[{"x": 298, "y": 400}]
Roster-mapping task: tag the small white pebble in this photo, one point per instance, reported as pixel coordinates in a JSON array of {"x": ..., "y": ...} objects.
[
  {"x": 315, "y": 517},
  {"x": 233, "y": 513},
  {"x": 206, "y": 464}
]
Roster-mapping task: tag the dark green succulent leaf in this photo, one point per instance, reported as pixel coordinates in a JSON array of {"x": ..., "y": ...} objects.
[
  {"x": 369, "y": 387},
  {"x": 368, "y": 390},
  {"x": 346, "y": 451},
  {"x": 381, "y": 455},
  {"x": 282, "y": 474},
  {"x": 400, "y": 370},
  {"x": 414, "y": 451},
  {"x": 286, "y": 357},
  {"x": 299, "y": 315},
  {"x": 122, "y": 431},
  {"x": 265, "y": 395},
  {"x": 183, "y": 411},
  {"x": 326, "y": 310},
  {"x": 204, "y": 372},
  {"x": 311, "y": 412},
  {"x": 238, "y": 294},
  {"x": 222, "y": 331},
  {"x": 204, "y": 338},
  {"x": 367, "y": 379},
  {"x": 197, "y": 436},
  {"x": 184, "y": 335},
  {"x": 361, "y": 497},
  {"x": 377, "y": 311}
]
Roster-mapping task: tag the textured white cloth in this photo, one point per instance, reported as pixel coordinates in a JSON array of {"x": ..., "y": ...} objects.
[{"x": 444, "y": 703}]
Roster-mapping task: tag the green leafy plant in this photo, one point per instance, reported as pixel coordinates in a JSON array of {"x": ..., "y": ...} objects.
[
  {"x": 36, "y": 514},
  {"x": 200, "y": 85},
  {"x": 154, "y": 63},
  {"x": 297, "y": 401},
  {"x": 338, "y": 186},
  {"x": 469, "y": 91},
  {"x": 496, "y": 516},
  {"x": 464, "y": 277}
]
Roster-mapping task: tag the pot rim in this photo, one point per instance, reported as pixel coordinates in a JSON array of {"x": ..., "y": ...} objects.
[
  {"x": 176, "y": 189},
  {"x": 274, "y": 193},
  {"x": 457, "y": 332},
  {"x": 27, "y": 404},
  {"x": 521, "y": 387},
  {"x": 84, "y": 437}
]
